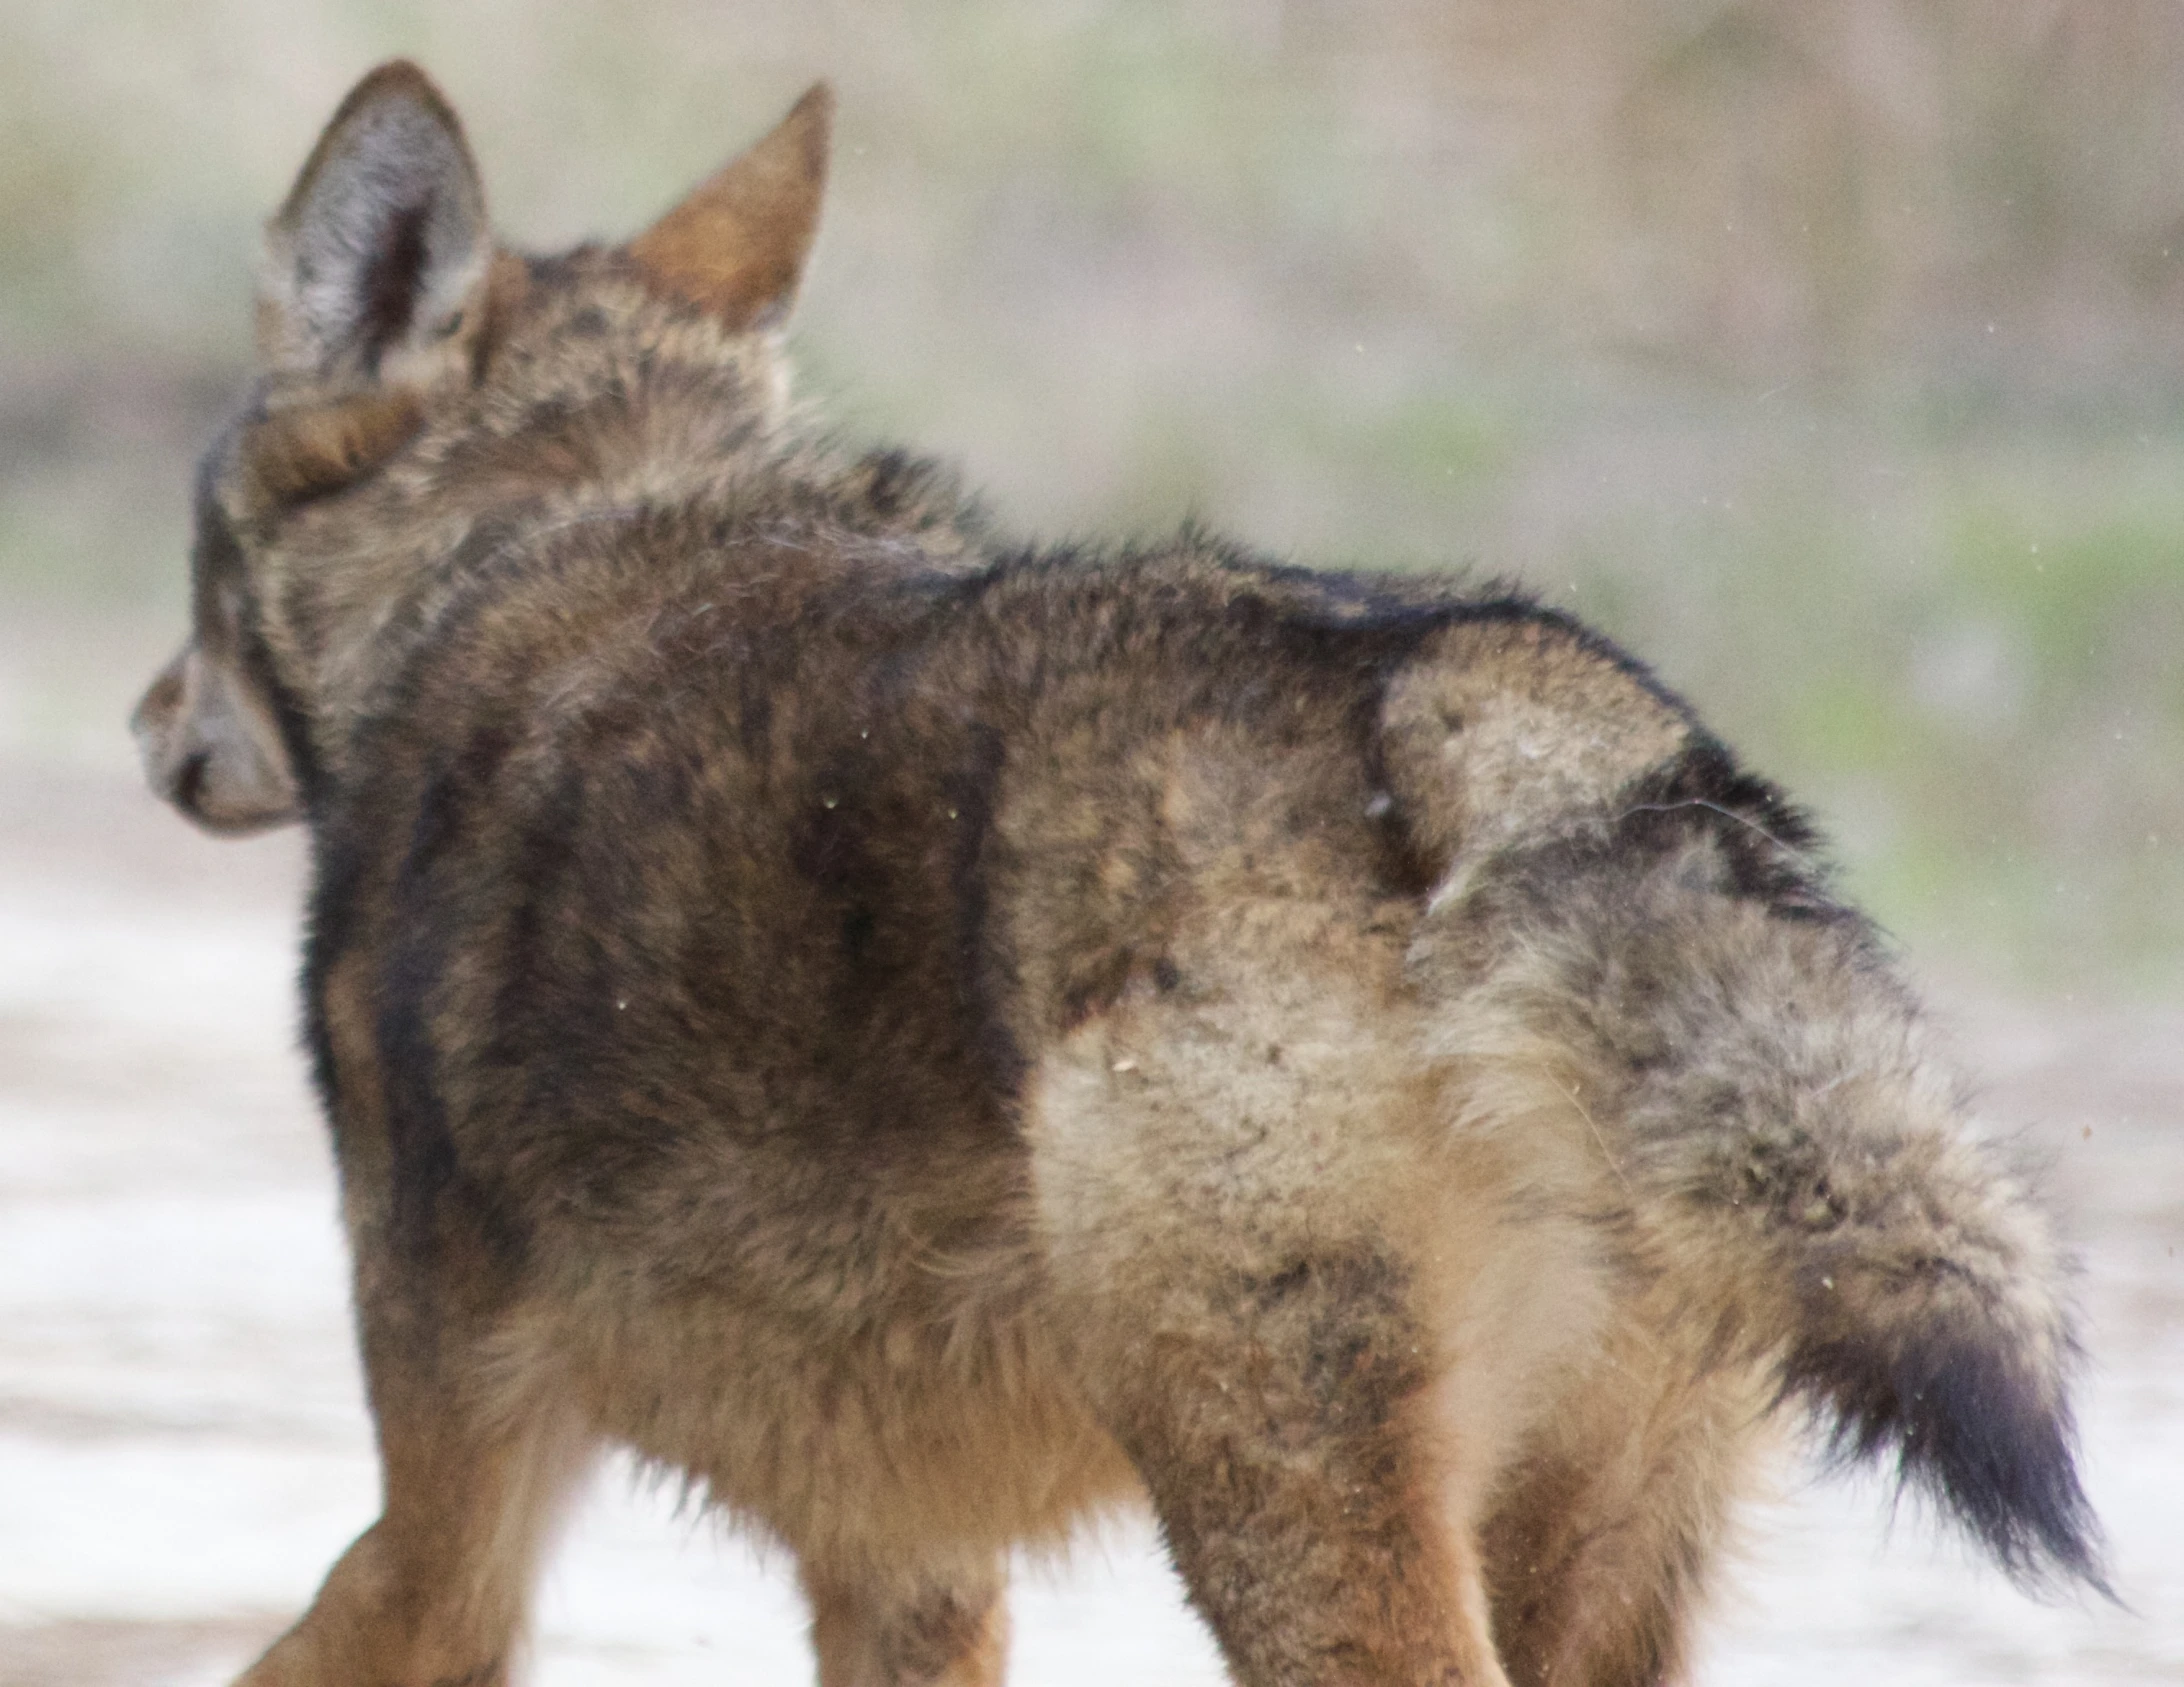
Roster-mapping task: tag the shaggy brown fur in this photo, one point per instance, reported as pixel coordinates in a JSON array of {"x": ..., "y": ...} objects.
[{"x": 932, "y": 1040}]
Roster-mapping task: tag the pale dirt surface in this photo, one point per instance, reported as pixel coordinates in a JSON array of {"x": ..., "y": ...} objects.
[{"x": 182, "y": 1448}]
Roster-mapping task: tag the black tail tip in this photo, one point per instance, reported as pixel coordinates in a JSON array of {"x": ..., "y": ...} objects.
[{"x": 1993, "y": 1442}]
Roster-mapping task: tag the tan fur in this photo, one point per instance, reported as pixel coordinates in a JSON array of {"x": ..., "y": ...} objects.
[
  {"x": 931, "y": 1041},
  {"x": 1514, "y": 726},
  {"x": 736, "y": 246}
]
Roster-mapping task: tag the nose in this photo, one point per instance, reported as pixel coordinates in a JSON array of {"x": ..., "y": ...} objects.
[{"x": 189, "y": 781}]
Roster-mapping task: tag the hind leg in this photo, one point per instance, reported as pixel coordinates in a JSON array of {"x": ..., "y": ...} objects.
[
  {"x": 879, "y": 1631},
  {"x": 1234, "y": 1190},
  {"x": 434, "y": 1593},
  {"x": 1292, "y": 1463},
  {"x": 1599, "y": 1552}
]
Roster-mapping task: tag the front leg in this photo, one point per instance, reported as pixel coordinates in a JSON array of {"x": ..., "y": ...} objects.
[{"x": 476, "y": 1464}]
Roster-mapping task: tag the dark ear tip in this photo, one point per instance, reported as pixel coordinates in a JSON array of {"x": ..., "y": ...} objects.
[{"x": 396, "y": 79}]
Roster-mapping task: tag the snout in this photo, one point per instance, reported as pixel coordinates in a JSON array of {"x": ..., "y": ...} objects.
[{"x": 207, "y": 751}]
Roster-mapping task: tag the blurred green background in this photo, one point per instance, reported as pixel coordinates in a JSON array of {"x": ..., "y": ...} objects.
[{"x": 1828, "y": 352}]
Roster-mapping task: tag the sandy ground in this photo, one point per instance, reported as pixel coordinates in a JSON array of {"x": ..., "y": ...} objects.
[{"x": 182, "y": 1448}]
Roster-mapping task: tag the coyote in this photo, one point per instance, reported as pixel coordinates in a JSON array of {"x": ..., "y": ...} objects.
[{"x": 932, "y": 1039}]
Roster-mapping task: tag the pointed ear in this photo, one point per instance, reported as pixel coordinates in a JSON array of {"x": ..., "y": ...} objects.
[
  {"x": 736, "y": 246},
  {"x": 375, "y": 269}
]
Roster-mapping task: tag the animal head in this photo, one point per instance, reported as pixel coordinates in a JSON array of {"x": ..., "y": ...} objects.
[{"x": 416, "y": 378}]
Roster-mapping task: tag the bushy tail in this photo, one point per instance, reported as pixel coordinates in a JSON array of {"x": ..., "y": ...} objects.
[
  {"x": 1789, "y": 1161},
  {"x": 1630, "y": 928}
]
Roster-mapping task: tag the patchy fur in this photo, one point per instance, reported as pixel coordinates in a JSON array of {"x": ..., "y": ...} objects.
[{"x": 930, "y": 1039}]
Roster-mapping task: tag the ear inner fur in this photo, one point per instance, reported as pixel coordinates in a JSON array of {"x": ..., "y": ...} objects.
[
  {"x": 736, "y": 245},
  {"x": 382, "y": 245}
]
